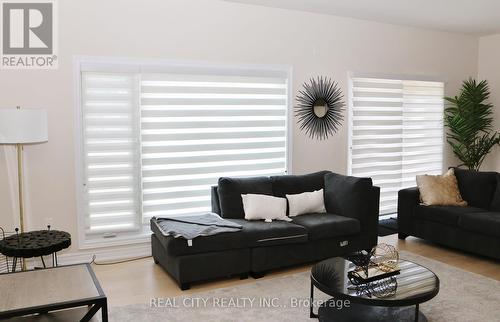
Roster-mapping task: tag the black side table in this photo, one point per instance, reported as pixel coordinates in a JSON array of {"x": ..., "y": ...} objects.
[{"x": 37, "y": 243}]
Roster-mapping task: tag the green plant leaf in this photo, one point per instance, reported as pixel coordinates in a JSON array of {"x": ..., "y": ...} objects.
[{"x": 469, "y": 119}]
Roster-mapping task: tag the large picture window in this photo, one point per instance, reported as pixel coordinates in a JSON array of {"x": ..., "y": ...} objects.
[
  {"x": 396, "y": 133},
  {"x": 155, "y": 138}
]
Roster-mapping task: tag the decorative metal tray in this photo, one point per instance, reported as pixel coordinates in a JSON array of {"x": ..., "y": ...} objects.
[{"x": 372, "y": 272}]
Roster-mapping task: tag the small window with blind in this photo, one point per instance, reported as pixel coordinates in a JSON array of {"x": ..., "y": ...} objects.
[
  {"x": 396, "y": 133},
  {"x": 111, "y": 152},
  {"x": 155, "y": 138}
]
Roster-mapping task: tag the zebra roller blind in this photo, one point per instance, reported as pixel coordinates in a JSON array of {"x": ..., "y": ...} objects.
[
  {"x": 396, "y": 133},
  {"x": 156, "y": 138},
  {"x": 197, "y": 128},
  {"x": 110, "y": 124}
]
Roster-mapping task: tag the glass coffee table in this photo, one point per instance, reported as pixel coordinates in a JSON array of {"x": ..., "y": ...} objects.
[
  {"x": 414, "y": 285},
  {"x": 64, "y": 293}
]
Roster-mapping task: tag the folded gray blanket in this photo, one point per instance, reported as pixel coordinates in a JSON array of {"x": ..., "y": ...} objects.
[{"x": 190, "y": 227}]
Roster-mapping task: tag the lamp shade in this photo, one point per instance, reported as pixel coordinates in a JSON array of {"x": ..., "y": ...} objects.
[{"x": 19, "y": 126}]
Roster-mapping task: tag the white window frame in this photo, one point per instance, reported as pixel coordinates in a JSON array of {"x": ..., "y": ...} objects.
[
  {"x": 120, "y": 64},
  {"x": 350, "y": 115}
]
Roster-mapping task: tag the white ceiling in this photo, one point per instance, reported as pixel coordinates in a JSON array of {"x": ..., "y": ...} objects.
[{"x": 476, "y": 17}]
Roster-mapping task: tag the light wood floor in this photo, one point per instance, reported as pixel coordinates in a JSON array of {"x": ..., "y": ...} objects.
[{"x": 139, "y": 281}]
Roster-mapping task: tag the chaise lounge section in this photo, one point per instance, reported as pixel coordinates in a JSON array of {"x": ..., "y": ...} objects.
[{"x": 350, "y": 224}]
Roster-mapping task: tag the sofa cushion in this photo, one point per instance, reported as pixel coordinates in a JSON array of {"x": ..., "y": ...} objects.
[
  {"x": 306, "y": 202},
  {"x": 349, "y": 196},
  {"x": 443, "y": 214},
  {"x": 325, "y": 225},
  {"x": 294, "y": 184},
  {"x": 440, "y": 190},
  {"x": 264, "y": 207},
  {"x": 495, "y": 202},
  {"x": 487, "y": 223},
  {"x": 253, "y": 234},
  {"x": 476, "y": 187},
  {"x": 231, "y": 189},
  {"x": 260, "y": 233}
]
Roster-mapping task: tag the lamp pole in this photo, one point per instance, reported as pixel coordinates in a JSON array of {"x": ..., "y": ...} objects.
[
  {"x": 20, "y": 184},
  {"x": 19, "y": 148}
]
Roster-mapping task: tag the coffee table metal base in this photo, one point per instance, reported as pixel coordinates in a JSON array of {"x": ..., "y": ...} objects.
[{"x": 328, "y": 312}]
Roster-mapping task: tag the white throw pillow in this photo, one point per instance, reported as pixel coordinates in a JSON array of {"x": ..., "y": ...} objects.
[
  {"x": 306, "y": 203},
  {"x": 264, "y": 207}
]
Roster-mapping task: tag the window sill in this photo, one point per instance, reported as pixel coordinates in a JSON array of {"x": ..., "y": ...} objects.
[{"x": 101, "y": 242}]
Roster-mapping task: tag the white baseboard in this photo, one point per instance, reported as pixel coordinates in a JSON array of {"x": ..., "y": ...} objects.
[
  {"x": 106, "y": 254},
  {"x": 382, "y": 217}
]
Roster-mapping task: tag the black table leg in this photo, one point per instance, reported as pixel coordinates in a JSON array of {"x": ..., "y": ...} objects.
[
  {"x": 416, "y": 313},
  {"x": 14, "y": 264},
  {"x": 311, "y": 306},
  {"x": 43, "y": 262},
  {"x": 90, "y": 313},
  {"x": 104, "y": 311}
]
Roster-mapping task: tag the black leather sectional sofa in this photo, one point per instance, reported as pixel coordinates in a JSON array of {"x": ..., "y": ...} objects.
[
  {"x": 475, "y": 228},
  {"x": 350, "y": 224}
]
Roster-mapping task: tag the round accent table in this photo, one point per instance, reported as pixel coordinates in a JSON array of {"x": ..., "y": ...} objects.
[
  {"x": 414, "y": 285},
  {"x": 37, "y": 243}
]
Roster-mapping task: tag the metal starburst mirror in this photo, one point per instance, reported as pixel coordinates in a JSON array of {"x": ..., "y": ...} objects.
[{"x": 320, "y": 107}]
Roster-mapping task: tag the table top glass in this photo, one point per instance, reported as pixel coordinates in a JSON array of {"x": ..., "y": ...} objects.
[
  {"x": 414, "y": 284},
  {"x": 50, "y": 286}
]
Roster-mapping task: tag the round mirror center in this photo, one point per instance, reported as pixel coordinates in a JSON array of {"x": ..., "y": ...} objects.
[{"x": 320, "y": 107}]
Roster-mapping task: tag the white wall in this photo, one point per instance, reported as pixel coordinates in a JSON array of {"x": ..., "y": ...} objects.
[
  {"x": 489, "y": 69},
  {"x": 210, "y": 30}
]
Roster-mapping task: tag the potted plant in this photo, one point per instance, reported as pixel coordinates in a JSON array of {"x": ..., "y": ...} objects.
[{"x": 469, "y": 118}]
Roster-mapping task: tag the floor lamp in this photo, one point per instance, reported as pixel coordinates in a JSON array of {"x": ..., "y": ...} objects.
[{"x": 19, "y": 127}]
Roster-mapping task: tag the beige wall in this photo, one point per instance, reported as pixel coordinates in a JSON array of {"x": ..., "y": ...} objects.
[
  {"x": 489, "y": 69},
  {"x": 213, "y": 31}
]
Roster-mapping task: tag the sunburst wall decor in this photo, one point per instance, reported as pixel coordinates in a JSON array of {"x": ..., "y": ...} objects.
[{"x": 320, "y": 107}]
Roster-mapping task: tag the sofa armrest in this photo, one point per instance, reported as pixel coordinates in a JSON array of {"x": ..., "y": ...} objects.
[
  {"x": 408, "y": 199},
  {"x": 355, "y": 198},
  {"x": 215, "y": 199}
]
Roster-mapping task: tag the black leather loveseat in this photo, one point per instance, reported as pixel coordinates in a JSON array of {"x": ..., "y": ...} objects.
[
  {"x": 475, "y": 228},
  {"x": 350, "y": 224}
]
